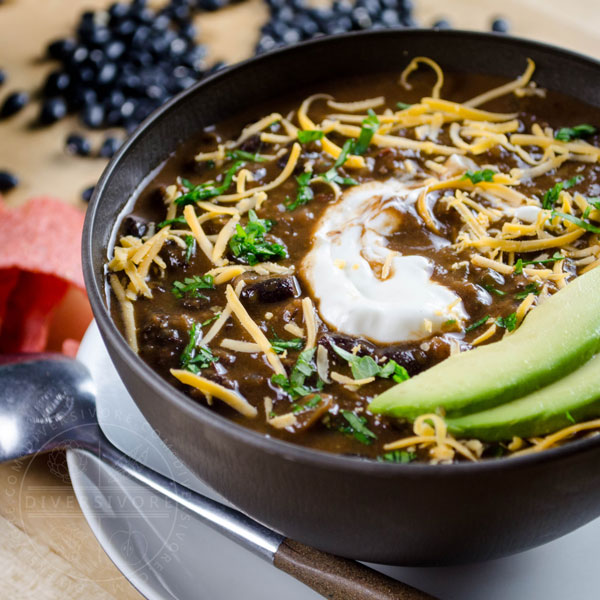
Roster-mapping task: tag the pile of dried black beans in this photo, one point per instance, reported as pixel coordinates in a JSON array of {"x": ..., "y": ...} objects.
[
  {"x": 292, "y": 21},
  {"x": 125, "y": 62}
]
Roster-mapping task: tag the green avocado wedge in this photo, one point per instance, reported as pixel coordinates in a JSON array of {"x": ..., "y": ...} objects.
[
  {"x": 573, "y": 398},
  {"x": 556, "y": 337}
]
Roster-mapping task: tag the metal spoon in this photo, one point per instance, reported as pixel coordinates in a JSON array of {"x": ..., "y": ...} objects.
[{"x": 48, "y": 401}]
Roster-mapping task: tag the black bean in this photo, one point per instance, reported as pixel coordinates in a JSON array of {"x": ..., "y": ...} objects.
[
  {"x": 13, "y": 104},
  {"x": 60, "y": 49},
  {"x": 80, "y": 97},
  {"x": 53, "y": 109},
  {"x": 274, "y": 289},
  {"x": 56, "y": 83},
  {"x": 93, "y": 116},
  {"x": 78, "y": 144},
  {"x": 106, "y": 74},
  {"x": 347, "y": 343},
  {"x": 500, "y": 25},
  {"x": 7, "y": 181},
  {"x": 442, "y": 24},
  {"x": 109, "y": 146},
  {"x": 136, "y": 226},
  {"x": 86, "y": 195}
]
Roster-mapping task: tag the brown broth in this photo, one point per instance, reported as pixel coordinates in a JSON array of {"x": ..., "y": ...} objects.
[{"x": 164, "y": 321}]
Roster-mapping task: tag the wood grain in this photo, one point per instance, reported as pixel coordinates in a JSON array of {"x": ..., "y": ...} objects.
[{"x": 44, "y": 557}]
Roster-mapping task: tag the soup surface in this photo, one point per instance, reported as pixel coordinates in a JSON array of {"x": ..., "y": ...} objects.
[{"x": 287, "y": 266}]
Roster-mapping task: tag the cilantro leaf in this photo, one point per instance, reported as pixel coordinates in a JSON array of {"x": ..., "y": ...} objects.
[
  {"x": 280, "y": 345},
  {"x": 248, "y": 243},
  {"x": 310, "y": 135},
  {"x": 479, "y": 176},
  {"x": 310, "y": 403},
  {"x": 190, "y": 285},
  {"x": 176, "y": 221},
  {"x": 551, "y": 196},
  {"x": 190, "y": 244},
  {"x": 522, "y": 263},
  {"x": 194, "y": 356},
  {"x": 493, "y": 290},
  {"x": 477, "y": 324},
  {"x": 332, "y": 174},
  {"x": 305, "y": 193},
  {"x": 397, "y": 456},
  {"x": 357, "y": 427},
  {"x": 398, "y": 372},
  {"x": 530, "y": 288},
  {"x": 210, "y": 320},
  {"x": 363, "y": 367},
  {"x": 402, "y": 105},
  {"x": 294, "y": 385},
  {"x": 204, "y": 191},
  {"x": 566, "y": 134},
  {"x": 509, "y": 322},
  {"x": 369, "y": 128},
  {"x": 577, "y": 221},
  {"x": 243, "y": 155}
]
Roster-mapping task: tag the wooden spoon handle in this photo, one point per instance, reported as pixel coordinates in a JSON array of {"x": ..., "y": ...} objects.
[{"x": 339, "y": 578}]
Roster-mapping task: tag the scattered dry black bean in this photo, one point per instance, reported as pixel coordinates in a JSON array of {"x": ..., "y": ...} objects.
[{"x": 7, "y": 181}]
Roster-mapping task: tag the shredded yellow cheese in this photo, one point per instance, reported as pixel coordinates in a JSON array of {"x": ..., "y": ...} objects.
[
  {"x": 310, "y": 321},
  {"x": 208, "y": 387},
  {"x": 127, "y": 312},
  {"x": 253, "y": 329}
]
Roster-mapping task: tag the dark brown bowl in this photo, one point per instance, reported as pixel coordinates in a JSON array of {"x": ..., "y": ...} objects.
[{"x": 390, "y": 513}]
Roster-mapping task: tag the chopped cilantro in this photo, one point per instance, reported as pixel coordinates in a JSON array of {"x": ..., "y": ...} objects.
[
  {"x": 332, "y": 174},
  {"x": 190, "y": 245},
  {"x": 243, "y": 155},
  {"x": 551, "y": 196},
  {"x": 294, "y": 385},
  {"x": 176, "y": 221},
  {"x": 402, "y": 105},
  {"x": 477, "y": 324},
  {"x": 357, "y": 426},
  {"x": 369, "y": 128},
  {"x": 522, "y": 263},
  {"x": 310, "y": 135},
  {"x": 493, "y": 290},
  {"x": 570, "y": 417},
  {"x": 310, "y": 403},
  {"x": 204, "y": 191},
  {"x": 248, "y": 244},
  {"x": 530, "y": 288},
  {"x": 509, "y": 322},
  {"x": 210, "y": 320},
  {"x": 194, "y": 356},
  {"x": 190, "y": 285},
  {"x": 280, "y": 345},
  {"x": 397, "y": 456},
  {"x": 577, "y": 221},
  {"x": 365, "y": 366},
  {"x": 449, "y": 323},
  {"x": 566, "y": 134},
  {"x": 305, "y": 193},
  {"x": 479, "y": 176}
]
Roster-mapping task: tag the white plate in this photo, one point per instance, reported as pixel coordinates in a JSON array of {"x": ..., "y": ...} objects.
[{"x": 167, "y": 554}]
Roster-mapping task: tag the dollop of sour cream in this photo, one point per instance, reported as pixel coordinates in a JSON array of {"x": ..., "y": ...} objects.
[{"x": 361, "y": 288}]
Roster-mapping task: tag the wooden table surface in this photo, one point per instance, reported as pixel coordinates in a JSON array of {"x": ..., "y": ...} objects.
[{"x": 47, "y": 550}]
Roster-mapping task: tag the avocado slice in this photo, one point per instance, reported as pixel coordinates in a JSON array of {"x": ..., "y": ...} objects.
[
  {"x": 555, "y": 338},
  {"x": 575, "y": 397}
]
